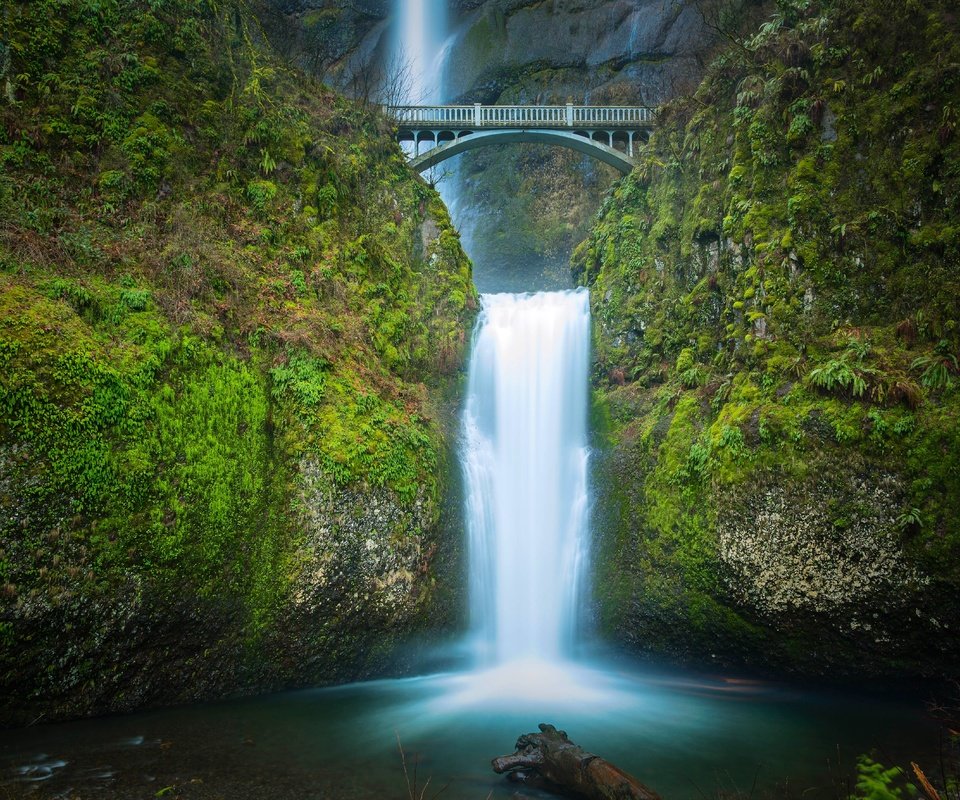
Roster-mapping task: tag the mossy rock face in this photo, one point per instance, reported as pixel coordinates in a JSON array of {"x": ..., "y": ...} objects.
[
  {"x": 601, "y": 42},
  {"x": 775, "y": 294},
  {"x": 231, "y": 325}
]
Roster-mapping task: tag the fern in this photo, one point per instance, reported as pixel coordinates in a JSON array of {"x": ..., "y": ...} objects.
[
  {"x": 840, "y": 375},
  {"x": 874, "y": 782},
  {"x": 912, "y": 517},
  {"x": 850, "y": 374},
  {"x": 692, "y": 377},
  {"x": 938, "y": 367},
  {"x": 267, "y": 162}
]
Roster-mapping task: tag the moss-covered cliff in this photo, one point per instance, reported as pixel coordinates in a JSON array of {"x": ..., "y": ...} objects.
[
  {"x": 229, "y": 321},
  {"x": 777, "y": 297}
]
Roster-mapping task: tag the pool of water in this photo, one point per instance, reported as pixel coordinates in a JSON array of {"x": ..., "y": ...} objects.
[{"x": 685, "y": 735}]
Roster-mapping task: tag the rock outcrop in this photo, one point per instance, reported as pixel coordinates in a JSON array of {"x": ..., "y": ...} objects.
[
  {"x": 775, "y": 293},
  {"x": 230, "y": 328}
]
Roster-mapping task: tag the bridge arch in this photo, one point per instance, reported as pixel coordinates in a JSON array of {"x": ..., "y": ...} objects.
[
  {"x": 607, "y": 133},
  {"x": 451, "y": 143}
]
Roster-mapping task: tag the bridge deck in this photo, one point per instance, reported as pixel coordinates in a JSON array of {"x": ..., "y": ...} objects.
[{"x": 568, "y": 116}]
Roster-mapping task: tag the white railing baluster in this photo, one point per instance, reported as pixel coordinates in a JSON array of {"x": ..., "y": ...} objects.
[{"x": 590, "y": 118}]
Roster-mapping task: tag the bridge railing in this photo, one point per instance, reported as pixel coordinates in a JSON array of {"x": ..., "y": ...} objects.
[
  {"x": 432, "y": 115},
  {"x": 566, "y": 116}
]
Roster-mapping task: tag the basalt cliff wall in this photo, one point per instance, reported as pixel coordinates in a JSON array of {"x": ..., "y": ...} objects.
[{"x": 231, "y": 324}]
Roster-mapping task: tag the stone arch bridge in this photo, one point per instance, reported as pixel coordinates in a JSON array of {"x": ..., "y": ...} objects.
[{"x": 608, "y": 133}]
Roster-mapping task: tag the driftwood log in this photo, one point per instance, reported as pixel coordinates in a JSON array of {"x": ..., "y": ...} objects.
[{"x": 553, "y": 757}]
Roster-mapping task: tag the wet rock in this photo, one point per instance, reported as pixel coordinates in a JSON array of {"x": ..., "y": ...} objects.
[{"x": 788, "y": 552}]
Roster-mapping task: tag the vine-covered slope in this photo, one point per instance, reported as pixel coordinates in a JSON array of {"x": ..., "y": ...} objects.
[
  {"x": 228, "y": 315},
  {"x": 777, "y": 291}
]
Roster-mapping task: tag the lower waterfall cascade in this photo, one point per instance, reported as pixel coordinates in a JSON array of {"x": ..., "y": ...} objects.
[{"x": 525, "y": 465}]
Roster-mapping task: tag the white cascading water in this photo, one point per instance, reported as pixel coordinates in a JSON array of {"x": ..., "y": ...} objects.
[
  {"x": 525, "y": 435},
  {"x": 419, "y": 51},
  {"x": 420, "y": 29},
  {"x": 525, "y": 466}
]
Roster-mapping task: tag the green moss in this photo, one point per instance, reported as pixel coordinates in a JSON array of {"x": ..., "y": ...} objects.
[
  {"x": 815, "y": 340},
  {"x": 213, "y": 278}
]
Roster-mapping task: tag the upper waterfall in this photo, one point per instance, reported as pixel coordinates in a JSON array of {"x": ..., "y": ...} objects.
[{"x": 418, "y": 50}]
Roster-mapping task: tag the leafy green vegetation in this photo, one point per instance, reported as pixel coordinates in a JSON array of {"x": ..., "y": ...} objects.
[
  {"x": 775, "y": 289},
  {"x": 876, "y": 782},
  {"x": 213, "y": 271}
]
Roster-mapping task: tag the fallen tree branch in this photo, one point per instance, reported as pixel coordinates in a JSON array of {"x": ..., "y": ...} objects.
[{"x": 552, "y": 756}]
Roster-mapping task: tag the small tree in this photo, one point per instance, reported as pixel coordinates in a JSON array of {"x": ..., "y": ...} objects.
[{"x": 385, "y": 84}]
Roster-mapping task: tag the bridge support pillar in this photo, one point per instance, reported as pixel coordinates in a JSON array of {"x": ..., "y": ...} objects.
[{"x": 630, "y": 144}]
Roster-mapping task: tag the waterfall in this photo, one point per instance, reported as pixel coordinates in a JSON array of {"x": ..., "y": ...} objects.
[
  {"x": 418, "y": 59},
  {"x": 525, "y": 468},
  {"x": 525, "y": 437},
  {"x": 418, "y": 52}
]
